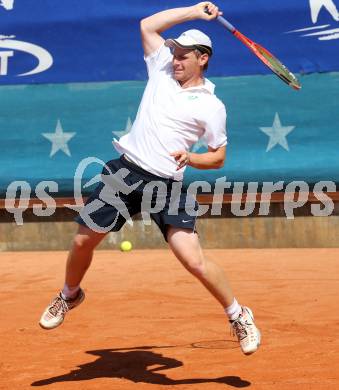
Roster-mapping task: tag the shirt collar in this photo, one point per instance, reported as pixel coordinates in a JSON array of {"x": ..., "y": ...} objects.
[{"x": 208, "y": 86}]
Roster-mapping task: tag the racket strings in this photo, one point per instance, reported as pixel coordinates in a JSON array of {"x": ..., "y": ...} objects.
[{"x": 277, "y": 67}]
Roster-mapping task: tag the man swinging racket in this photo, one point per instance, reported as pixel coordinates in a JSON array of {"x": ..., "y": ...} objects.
[{"x": 178, "y": 107}]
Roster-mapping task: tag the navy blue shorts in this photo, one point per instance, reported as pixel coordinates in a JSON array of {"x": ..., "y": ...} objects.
[{"x": 126, "y": 190}]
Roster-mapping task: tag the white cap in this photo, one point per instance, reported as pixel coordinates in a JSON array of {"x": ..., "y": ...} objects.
[{"x": 192, "y": 39}]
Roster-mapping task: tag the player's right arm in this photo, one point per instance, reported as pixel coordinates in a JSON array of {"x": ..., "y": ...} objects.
[{"x": 152, "y": 26}]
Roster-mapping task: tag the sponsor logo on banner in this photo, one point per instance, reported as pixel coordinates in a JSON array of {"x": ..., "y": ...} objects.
[
  {"x": 45, "y": 60},
  {"x": 325, "y": 32},
  {"x": 7, "y": 4}
]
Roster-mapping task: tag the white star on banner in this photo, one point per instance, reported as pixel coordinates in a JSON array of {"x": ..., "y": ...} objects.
[
  {"x": 277, "y": 133},
  {"x": 123, "y": 132},
  {"x": 59, "y": 140}
]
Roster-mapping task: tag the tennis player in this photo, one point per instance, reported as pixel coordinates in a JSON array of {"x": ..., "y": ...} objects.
[{"x": 178, "y": 107}]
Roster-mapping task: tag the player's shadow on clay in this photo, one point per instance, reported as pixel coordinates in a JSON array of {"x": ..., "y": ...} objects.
[{"x": 136, "y": 365}]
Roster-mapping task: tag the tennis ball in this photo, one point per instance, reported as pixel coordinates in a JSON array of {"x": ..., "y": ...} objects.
[{"x": 126, "y": 246}]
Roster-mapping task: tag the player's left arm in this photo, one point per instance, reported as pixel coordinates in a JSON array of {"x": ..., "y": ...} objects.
[{"x": 212, "y": 159}]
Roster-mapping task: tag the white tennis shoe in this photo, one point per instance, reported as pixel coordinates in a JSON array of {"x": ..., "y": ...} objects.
[
  {"x": 247, "y": 333},
  {"x": 55, "y": 312}
]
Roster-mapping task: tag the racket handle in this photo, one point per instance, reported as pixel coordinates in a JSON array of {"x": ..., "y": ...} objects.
[
  {"x": 226, "y": 24},
  {"x": 223, "y": 21}
]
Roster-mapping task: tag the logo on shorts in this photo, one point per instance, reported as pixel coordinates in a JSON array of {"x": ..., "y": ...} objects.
[{"x": 45, "y": 59}]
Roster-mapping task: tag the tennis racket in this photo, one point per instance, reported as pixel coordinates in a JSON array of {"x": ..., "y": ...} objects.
[{"x": 264, "y": 55}]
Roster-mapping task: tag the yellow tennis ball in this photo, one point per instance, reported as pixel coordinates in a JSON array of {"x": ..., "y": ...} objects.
[{"x": 126, "y": 246}]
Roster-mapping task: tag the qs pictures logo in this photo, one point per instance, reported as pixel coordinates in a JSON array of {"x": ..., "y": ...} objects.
[{"x": 11, "y": 46}]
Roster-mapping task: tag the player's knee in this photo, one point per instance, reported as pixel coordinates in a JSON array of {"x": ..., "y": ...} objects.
[
  {"x": 83, "y": 243},
  {"x": 197, "y": 267}
]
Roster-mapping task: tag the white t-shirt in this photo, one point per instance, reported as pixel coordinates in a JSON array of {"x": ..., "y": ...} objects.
[{"x": 171, "y": 118}]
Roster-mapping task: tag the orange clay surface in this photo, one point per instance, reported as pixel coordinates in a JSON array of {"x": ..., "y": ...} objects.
[{"x": 146, "y": 323}]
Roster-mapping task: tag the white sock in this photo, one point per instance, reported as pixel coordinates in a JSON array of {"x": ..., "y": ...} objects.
[
  {"x": 69, "y": 292},
  {"x": 233, "y": 311}
]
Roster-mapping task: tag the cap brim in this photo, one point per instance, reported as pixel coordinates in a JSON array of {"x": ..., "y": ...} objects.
[
  {"x": 174, "y": 43},
  {"x": 171, "y": 43}
]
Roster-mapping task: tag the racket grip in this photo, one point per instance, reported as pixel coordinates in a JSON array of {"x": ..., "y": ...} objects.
[
  {"x": 226, "y": 24},
  {"x": 223, "y": 21}
]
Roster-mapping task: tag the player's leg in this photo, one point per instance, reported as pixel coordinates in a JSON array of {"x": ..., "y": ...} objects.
[
  {"x": 78, "y": 261},
  {"x": 80, "y": 256},
  {"x": 178, "y": 228},
  {"x": 186, "y": 247},
  {"x": 105, "y": 210}
]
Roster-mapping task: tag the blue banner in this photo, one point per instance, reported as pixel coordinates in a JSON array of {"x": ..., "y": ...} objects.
[
  {"x": 48, "y": 41},
  {"x": 274, "y": 132}
]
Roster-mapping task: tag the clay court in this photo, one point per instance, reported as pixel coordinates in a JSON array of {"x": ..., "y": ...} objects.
[
  {"x": 83, "y": 83},
  {"x": 148, "y": 324}
]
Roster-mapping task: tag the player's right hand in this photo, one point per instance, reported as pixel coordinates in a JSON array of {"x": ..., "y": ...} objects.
[{"x": 207, "y": 10}]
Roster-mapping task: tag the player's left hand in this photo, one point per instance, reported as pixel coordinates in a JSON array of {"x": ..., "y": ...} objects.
[{"x": 182, "y": 157}]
